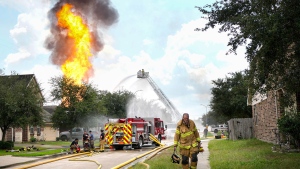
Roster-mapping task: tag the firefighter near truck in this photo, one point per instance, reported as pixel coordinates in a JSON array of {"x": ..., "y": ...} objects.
[{"x": 134, "y": 132}]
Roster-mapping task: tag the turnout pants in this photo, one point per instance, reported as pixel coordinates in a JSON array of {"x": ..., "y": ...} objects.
[
  {"x": 102, "y": 142},
  {"x": 186, "y": 155}
]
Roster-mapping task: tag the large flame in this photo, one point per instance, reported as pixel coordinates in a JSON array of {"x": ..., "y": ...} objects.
[{"x": 77, "y": 63}]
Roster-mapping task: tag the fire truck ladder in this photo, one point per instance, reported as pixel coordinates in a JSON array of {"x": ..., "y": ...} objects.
[{"x": 173, "y": 111}]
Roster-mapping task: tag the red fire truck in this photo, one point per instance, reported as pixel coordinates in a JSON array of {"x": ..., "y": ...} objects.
[{"x": 133, "y": 132}]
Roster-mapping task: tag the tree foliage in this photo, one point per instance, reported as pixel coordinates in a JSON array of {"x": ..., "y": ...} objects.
[
  {"x": 79, "y": 103},
  {"x": 229, "y": 98},
  {"x": 209, "y": 119},
  {"x": 116, "y": 103},
  {"x": 290, "y": 124},
  {"x": 270, "y": 31},
  {"x": 84, "y": 105},
  {"x": 20, "y": 103}
]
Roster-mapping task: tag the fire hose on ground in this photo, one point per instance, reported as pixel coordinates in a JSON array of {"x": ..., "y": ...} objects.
[
  {"x": 153, "y": 138},
  {"x": 99, "y": 165},
  {"x": 52, "y": 160},
  {"x": 79, "y": 159},
  {"x": 156, "y": 150}
]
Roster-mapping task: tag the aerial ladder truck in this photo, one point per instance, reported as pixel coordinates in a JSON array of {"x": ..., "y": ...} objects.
[{"x": 169, "y": 106}]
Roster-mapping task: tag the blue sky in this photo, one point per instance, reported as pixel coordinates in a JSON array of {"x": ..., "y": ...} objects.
[{"x": 157, "y": 36}]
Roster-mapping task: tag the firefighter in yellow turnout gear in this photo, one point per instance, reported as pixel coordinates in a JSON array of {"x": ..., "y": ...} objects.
[{"x": 187, "y": 138}]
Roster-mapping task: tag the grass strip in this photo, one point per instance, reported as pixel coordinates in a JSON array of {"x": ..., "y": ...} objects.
[{"x": 249, "y": 154}]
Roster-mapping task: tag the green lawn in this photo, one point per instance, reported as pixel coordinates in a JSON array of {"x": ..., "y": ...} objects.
[
  {"x": 249, "y": 154},
  {"x": 45, "y": 148},
  {"x": 227, "y": 154},
  {"x": 55, "y": 143},
  {"x": 32, "y": 153}
]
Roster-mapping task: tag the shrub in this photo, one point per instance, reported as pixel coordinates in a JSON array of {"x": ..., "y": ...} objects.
[
  {"x": 290, "y": 124},
  {"x": 32, "y": 139},
  {"x": 6, "y": 145}
]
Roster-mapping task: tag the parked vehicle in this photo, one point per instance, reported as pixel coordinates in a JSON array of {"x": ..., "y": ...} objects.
[
  {"x": 221, "y": 127},
  {"x": 77, "y": 132},
  {"x": 134, "y": 132}
]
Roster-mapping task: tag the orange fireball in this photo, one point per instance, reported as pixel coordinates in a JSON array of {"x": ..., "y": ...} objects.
[{"x": 77, "y": 63}]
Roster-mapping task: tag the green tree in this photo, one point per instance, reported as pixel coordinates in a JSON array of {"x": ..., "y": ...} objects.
[
  {"x": 229, "y": 98},
  {"x": 210, "y": 119},
  {"x": 270, "y": 31},
  {"x": 116, "y": 102},
  {"x": 20, "y": 102},
  {"x": 290, "y": 124},
  {"x": 79, "y": 103}
]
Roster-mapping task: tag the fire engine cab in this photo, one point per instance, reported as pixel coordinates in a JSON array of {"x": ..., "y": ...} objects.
[{"x": 133, "y": 132}]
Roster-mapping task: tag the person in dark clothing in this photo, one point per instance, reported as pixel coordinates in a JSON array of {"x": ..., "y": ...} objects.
[
  {"x": 74, "y": 146},
  {"x": 85, "y": 138},
  {"x": 92, "y": 140},
  {"x": 205, "y": 132},
  {"x": 102, "y": 141}
]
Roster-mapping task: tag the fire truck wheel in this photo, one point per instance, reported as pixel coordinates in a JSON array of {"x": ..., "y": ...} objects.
[
  {"x": 140, "y": 144},
  {"x": 119, "y": 147}
]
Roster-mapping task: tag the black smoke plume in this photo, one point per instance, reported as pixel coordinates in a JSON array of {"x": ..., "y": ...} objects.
[{"x": 97, "y": 14}]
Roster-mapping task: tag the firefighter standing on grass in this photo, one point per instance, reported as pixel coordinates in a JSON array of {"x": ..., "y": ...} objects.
[{"x": 188, "y": 140}]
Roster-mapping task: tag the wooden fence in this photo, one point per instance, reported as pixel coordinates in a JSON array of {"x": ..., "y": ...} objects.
[{"x": 240, "y": 128}]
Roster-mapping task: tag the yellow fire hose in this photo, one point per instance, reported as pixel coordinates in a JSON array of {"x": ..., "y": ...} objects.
[
  {"x": 158, "y": 149},
  {"x": 153, "y": 138},
  {"x": 162, "y": 148},
  {"x": 49, "y": 161},
  {"x": 78, "y": 159},
  {"x": 133, "y": 159},
  {"x": 145, "y": 164}
]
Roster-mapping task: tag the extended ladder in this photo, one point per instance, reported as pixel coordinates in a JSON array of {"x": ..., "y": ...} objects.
[{"x": 173, "y": 111}]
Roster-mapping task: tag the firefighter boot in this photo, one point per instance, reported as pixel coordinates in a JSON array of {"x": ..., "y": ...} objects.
[
  {"x": 185, "y": 162},
  {"x": 194, "y": 159}
]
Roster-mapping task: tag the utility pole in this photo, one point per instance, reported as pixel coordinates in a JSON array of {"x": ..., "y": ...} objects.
[{"x": 205, "y": 113}]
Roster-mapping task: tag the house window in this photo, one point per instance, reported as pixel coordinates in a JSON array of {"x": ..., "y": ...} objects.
[
  {"x": 38, "y": 130},
  {"x": 31, "y": 130}
]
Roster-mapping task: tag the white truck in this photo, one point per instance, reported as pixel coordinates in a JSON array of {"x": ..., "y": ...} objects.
[{"x": 221, "y": 127}]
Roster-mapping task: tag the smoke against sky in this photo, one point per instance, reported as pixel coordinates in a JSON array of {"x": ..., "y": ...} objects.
[{"x": 96, "y": 15}]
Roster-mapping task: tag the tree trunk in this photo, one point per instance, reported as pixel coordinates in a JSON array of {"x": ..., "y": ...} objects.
[{"x": 3, "y": 129}]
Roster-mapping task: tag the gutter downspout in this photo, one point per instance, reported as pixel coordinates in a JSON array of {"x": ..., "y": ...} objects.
[{"x": 276, "y": 109}]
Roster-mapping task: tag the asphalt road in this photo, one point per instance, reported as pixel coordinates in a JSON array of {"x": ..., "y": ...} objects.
[{"x": 107, "y": 160}]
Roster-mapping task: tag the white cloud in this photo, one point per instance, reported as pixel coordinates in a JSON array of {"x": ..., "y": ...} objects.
[
  {"x": 15, "y": 57},
  {"x": 30, "y": 31},
  {"x": 189, "y": 87}
]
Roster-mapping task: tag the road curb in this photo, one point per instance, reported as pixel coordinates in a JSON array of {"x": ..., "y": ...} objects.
[{"x": 35, "y": 160}]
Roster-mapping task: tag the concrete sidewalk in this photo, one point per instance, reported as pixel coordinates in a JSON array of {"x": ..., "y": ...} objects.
[{"x": 203, "y": 158}]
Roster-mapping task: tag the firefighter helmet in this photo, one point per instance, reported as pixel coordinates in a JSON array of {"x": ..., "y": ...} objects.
[{"x": 175, "y": 158}]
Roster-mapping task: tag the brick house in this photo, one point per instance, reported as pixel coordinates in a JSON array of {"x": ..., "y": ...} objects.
[
  {"x": 40, "y": 133},
  {"x": 266, "y": 110}
]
